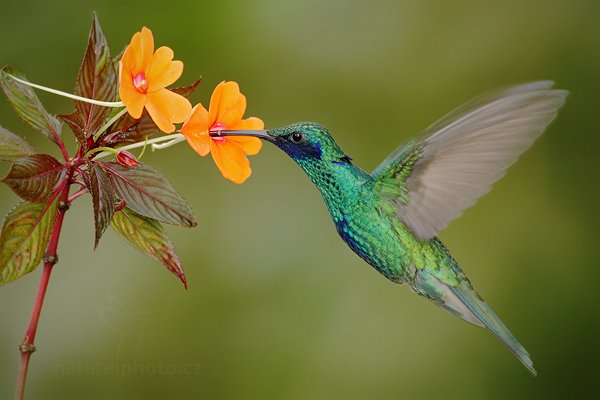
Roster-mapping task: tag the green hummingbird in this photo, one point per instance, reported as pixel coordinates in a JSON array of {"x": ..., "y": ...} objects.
[{"x": 390, "y": 217}]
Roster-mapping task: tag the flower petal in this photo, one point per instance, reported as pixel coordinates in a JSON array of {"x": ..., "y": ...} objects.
[
  {"x": 230, "y": 160},
  {"x": 230, "y": 89},
  {"x": 227, "y": 104},
  {"x": 166, "y": 107},
  {"x": 127, "y": 64},
  {"x": 139, "y": 52},
  {"x": 249, "y": 145},
  {"x": 251, "y": 123},
  {"x": 199, "y": 142},
  {"x": 234, "y": 113},
  {"x": 195, "y": 130},
  {"x": 197, "y": 122},
  {"x": 162, "y": 70},
  {"x": 133, "y": 100}
]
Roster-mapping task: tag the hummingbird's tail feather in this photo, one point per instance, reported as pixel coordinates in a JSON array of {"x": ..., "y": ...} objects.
[
  {"x": 488, "y": 317},
  {"x": 464, "y": 302}
]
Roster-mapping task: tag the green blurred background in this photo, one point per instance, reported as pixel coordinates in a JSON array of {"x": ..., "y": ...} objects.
[{"x": 278, "y": 307}]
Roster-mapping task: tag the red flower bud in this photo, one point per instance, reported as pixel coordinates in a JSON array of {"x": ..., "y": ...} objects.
[{"x": 127, "y": 159}]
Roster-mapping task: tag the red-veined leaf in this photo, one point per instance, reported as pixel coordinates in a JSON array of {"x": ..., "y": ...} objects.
[
  {"x": 103, "y": 198},
  {"x": 35, "y": 177},
  {"x": 149, "y": 236},
  {"x": 147, "y": 192},
  {"x": 13, "y": 146},
  {"x": 27, "y": 104},
  {"x": 97, "y": 80},
  {"x": 186, "y": 91},
  {"x": 24, "y": 237}
]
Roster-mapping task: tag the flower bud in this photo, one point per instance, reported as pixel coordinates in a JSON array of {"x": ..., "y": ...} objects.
[{"x": 127, "y": 159}]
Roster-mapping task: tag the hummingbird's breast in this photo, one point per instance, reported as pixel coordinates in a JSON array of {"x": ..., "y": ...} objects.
[{"x": 372, "y": 235}]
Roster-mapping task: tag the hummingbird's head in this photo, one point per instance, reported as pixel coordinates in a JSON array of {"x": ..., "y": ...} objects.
[{"x": 308, "y": 143}]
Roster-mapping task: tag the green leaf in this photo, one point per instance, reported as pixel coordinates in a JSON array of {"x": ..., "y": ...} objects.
[
  {"x": 97, "y": 80},
  {"x": 103, "y": 198},
  {"x": 35, "y": 177},
  {"x": 147, "y": 192},
  {"x": 27, "y": 104},
  {"x": 13, "y": 146},
  {"x": 149, "y": 236},
  {"x": 137, "y": 130},
  {"x": 24, "y": 237}
]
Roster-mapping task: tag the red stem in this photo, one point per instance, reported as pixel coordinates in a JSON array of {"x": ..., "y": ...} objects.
[
  {"x": 63, "y": 150},
  {"x": 50, "y": 259},
  {"x": 78, "y": 193},
  {"x": 60, "y": 144}
]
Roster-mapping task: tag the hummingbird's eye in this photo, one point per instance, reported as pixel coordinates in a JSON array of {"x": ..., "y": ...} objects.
[{"x": 297, "y": 137}]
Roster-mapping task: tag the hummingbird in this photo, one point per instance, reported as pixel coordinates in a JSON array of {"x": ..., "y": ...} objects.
[{"x": 391, "y": 217}]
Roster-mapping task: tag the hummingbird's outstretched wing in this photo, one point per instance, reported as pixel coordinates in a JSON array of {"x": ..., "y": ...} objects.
[{"x": 431, "y": 180}]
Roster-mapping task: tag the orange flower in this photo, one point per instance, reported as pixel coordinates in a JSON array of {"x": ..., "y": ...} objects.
[
  {"x": 144, "y": 75},
  {"x": 227, "y": 107}
]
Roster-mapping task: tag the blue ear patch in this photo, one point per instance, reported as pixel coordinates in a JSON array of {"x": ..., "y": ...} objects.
[{"x": 301, "y": 151}]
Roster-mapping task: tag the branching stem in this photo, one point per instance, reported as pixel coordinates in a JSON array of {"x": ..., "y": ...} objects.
[{"x": 50, "y": 259}]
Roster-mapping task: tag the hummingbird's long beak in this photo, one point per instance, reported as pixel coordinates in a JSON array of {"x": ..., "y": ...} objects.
[{"x": 261, "y": 134}]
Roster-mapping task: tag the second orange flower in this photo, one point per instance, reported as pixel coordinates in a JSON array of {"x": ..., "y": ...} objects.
[{"x": 226, "y": 110}]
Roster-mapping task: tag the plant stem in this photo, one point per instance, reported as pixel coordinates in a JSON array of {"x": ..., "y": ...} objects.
[
  {"x": 77, "y": 194},
  {"x": 160, "y": 139},
  {"x": 109, "y": 123},
  {"x": 50, "y": 259},
  {"x": 61, "y": 145},
  {"x": 170, "y": 143},
  {"x": 69, "y": 95},
  {"x": 100, "y": 149}
]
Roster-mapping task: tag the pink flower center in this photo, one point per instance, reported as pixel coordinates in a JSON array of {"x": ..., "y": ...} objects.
[
  {"x": 216, "y": 128},
  {"x": 140, "y": 83}
]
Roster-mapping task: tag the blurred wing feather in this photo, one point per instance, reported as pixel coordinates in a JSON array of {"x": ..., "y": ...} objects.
[{"x": 432, "y": 180}]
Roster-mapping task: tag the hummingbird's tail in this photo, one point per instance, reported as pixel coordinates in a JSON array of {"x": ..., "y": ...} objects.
[
  {"x": 463, "y": 301},
  {"x": 488, "y": 317}
]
